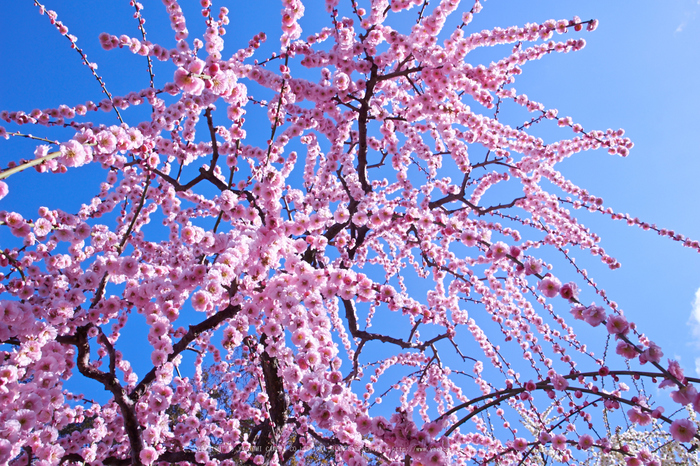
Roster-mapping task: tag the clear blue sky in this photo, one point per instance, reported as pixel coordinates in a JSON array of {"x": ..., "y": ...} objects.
[{"x": 639, "y": 71}]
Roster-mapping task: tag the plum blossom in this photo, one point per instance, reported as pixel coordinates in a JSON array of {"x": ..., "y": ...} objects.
[
  {"x": 433, "y": 457},
  {"x": 652, "y": 354},
  {"x": 626, "y": 350},
  {"x": 617, "y": 325},
  {"x": 26, "y": 418},
  {"x": 498, "y": 250},
  {"x": 675, "y": 369},
  {"x": 594, "y": 315},
  {"x": 42, "y": 227},
  {"x": 532, "y": 266},
  {"x": 469, "y": 238},
  {"x": 72, "y": 154},
  {"x": 188, "y": 82},
  {"x": 148, "y": 455},
  {"x": 559, "y": 442},
  {"x": 683, "y": 430},
  {"x": 549, "y": 286},
  {"x": 569, "y": 291},
  {"x": 559, "y": 382},
  {"x": 217, "y": 241},
  {"x": 201, "y": 301},
  {"x": 638, "y": 416},
  {"x": 685, "y": 395},
  {"x": 585, "y": 441},
  {"x": 5, "y": 450},
  {"x": 520, "y": 444},
  {"x": 341, "y": 81}
]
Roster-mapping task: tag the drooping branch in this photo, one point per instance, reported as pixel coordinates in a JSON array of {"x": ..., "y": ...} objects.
[
  {"x": 363, "y": 335},
  {"x": 499, "y": 397},
  {"x": 92, "y": 66}
]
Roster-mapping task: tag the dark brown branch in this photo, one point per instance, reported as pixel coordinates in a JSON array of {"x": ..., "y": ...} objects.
[
  {"x": 503, "y": 395},
  {"x": 361, "y": 235},
  {"x": 474, "y": 207},
  {"x": 399, "y": 72},
  {"x": 193, "y": 332},
  {"x": 274, "y": 387},
  {"x": 496, "y": 161},
  {"x": 137, "y": 211},
  {"x": 362, "y": 120},
  {"x": 110, "y": 383},
  {"x": 212, "y": 134},
  {"x": 351, "y": 316}
]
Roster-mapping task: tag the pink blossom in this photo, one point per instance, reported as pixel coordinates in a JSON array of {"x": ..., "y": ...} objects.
[
  {"x": 559, "y": 382},
  {"x": 559, "y": 442},
  {"x": 617, "y": 325},
  {"x": 72, "y": 154},
  {"x": 645, "y": 456},
  {"x": 577, "y": 312},
  {"x": 675, "y": 369},
  {"x": 159, "y": 357},
  {"x": 188, "y": 82},
  {"x": 129, "y": 266},
  {"x": 148, "y": 455},
  {"x": 469, "y": 238},
  {"x": 42, "y": 227},
  {"x": 341, "y": 81},
  {"x": 594, "y": 315},
  {"x": 432, "y": 428},
  {"x": 520, "y": 444},
  {"x": 498, "y": 250},
  {"x": 683, "y": 430},
  {"x": 201, "y": 301},
  {"x": 26, "y": 418},
  {"x": 638, "y": 416},
  {"x": 106, "y": 142},
  {"x": 585, "y": 441},
  {"x": 652, "y": 354},
  {"x": 515, "y": 251},
  {"x": 532, "y": 266},
  {"x": 217, "y": 237},
  {"x": 364, "y": 424},
  {"x": 5, "y": 450},
  {"x": 626, "y": 350},
  {"x": 685, "y": 395},
  {"x": 696, "y": 403},
  {"x": 433, "y": 457},
  {"x": 549, "y": 286},
  {"x": 569, "y": 291}
]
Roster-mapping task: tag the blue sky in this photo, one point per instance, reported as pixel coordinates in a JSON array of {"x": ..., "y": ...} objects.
[{"x": 639, "y": 71}]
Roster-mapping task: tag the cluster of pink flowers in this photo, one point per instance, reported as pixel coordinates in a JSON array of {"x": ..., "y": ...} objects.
[{"x": 312, "y": 289}]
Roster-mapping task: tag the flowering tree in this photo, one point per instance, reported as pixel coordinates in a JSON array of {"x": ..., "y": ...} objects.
[{"x": 353, "y": 257}]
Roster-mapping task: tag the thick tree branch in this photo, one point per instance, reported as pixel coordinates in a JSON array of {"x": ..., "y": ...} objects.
[{"x": 193, "y": 332}]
